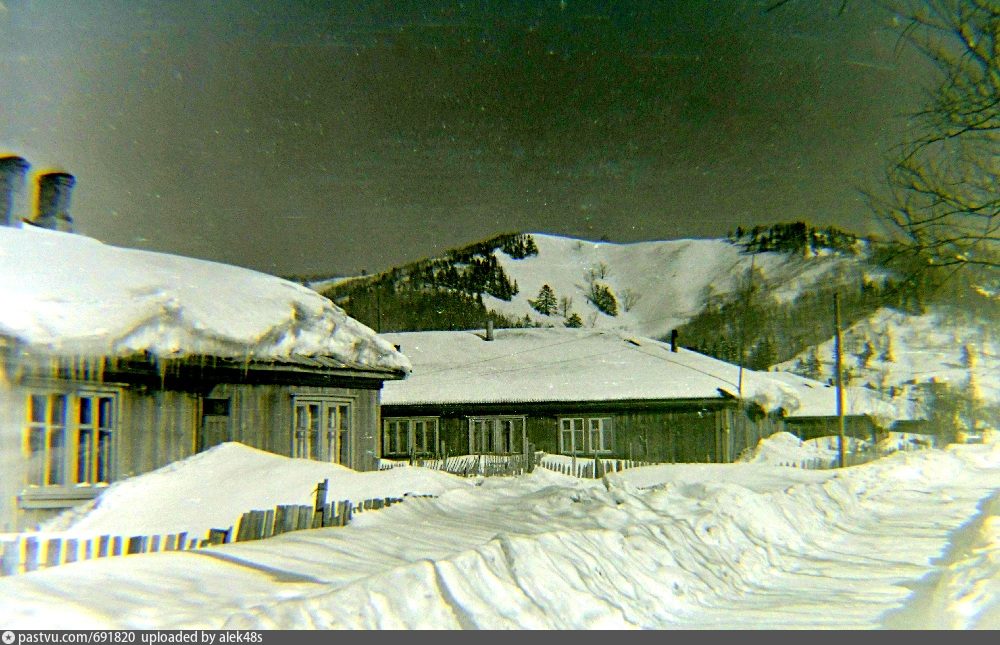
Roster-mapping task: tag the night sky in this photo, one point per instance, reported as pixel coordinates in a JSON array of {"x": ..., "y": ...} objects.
[{"x": 311, "y": 137}]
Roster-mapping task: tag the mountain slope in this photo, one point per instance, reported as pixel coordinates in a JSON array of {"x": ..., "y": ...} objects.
[{"x": 655, "y": 286}]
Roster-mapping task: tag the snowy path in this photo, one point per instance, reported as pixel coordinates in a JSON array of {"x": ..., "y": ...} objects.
[{"x": 736, "y": 546}]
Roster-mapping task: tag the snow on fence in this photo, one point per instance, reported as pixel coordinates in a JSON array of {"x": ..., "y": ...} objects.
[
  {"x": 26, "y": 552},
  {"x": 472, "y": 465},
  {"x": 518, "y": 464},
  {"x": 862, "y": 455},
  {"x": 588, "y": 468}
]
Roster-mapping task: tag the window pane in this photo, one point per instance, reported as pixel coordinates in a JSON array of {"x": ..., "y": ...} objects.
[
  {"x": 419, "y": 436},
  {"x": 103, "y": 456},
  {"x": 58, "y": 410},
  {"x": 37, "y": 404},
  {"x": 57, "y": 456},
  {"x": 84, "y": 455},
  {"x": 86, "y": 411},
  {"x": 36, "y": 456}
]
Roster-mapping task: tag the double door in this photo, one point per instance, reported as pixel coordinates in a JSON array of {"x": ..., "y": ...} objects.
[{"x": 322, "y": 431}]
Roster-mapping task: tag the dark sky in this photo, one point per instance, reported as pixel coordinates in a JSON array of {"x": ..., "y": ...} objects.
[{"x": 318, "y": 137}]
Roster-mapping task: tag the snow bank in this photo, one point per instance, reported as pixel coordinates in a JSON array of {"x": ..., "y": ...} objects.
[
  {"x": 964, "y": 592},
  {"x": 213, "y": 488},
  {"x": 785, "y": 449},
  {"x": 71, "y": 295}
]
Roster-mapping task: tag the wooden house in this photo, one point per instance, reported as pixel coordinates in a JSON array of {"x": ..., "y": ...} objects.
[
  {"x": 576, "y": 391},
  {"x": 114, "y": 362}
]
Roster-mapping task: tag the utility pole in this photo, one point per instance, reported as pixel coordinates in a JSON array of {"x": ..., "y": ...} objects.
[
  {"x": 838, "y": 351},
  {"x": 743, "y": 323}
]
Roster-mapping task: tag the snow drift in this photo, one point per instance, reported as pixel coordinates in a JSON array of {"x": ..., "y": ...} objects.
[
  {"x": 213, "y": 488},
  {"x": 70, "y": 295}
]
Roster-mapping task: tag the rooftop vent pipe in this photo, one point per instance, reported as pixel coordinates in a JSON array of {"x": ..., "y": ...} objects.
[
  {"x": 12, "y": 171},
  {"x": 673, "y": 340},
  {"x": 53, "y": 201},
  {"x": 489, "y": 329}
]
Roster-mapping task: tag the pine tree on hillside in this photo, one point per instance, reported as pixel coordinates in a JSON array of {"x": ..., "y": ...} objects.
[
  {"x": 813, "y": 368},
  {"x": 573, "y": 321},
  {"x": 604, "y": 299},
  {"x": 546, "y": 302}
]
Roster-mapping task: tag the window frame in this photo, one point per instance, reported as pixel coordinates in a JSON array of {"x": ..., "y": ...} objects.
[
  {"x": 404, "y": 428},
  {"x": 606, "y": 432},
  {"x": 80, "y": 470},
  {"x": 318, "y": 441},
  {"x": 493, "y": 425}
]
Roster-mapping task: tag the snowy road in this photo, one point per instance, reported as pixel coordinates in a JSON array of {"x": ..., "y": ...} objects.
[{"x": 732, "y": 546}]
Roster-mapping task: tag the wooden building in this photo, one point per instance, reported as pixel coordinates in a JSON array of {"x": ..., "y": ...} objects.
[
  {"x": 573, "y": 391},
  {"x": 141, "y": 359}
]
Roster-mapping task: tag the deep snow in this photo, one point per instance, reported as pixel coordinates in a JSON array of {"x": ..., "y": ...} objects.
[
  {"x": 714, "y": 545},
  {"x": 70, "y": 295}
]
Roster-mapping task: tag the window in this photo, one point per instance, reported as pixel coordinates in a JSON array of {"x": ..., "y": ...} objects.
[
  {"x": 322, "y": 430},
  {"x": 400, "y": 437},
  {"x": 582, "y": 435},
  {"x": 497, "y": 435},
  {"x": 69, "y": 438}
]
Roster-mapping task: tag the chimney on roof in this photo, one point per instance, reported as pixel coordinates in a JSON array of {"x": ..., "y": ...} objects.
[
  {"x": 12, "y": 171},
  {"x": 53, "y": 201},
  {"x": 673, "y": 340},
  {"x": 489, "y": 329}
]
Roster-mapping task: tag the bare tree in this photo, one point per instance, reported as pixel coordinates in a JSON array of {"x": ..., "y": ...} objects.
[
  {"x": 630, "y": 298},
  {"x": 944, "y": 184}
]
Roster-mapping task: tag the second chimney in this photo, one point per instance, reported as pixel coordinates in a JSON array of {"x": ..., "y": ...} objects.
[
  {"x": 489, "y": 329},
  {"x": 12, "y": 171},
  {"x": 53, "y": 201},
  {"x": 673, "y": 340}
]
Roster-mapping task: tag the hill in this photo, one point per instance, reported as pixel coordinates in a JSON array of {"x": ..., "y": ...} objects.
[{"x": 764, "y": 294}]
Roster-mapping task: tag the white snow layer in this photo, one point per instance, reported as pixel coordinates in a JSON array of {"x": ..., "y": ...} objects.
[
  {"x": 71, "y": 295},
  {"x": 669, "y": 281},
  {"x": 213, "y": 488},
  {"x": 700, "y": 546},
  {"x": 594, "y": 365}
]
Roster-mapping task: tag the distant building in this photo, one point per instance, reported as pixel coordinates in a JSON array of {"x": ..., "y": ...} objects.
[
  {"x": 584, "y": 392},
  {"x": 114, "y": 362}
]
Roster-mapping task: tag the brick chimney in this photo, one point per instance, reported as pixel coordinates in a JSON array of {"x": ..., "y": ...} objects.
[
  {"x": 53, "y": 201},
  {"x": 12, "y": 171}
]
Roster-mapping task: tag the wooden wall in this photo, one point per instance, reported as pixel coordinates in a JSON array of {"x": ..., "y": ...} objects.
[
  {"x": 673, "y": 435},
  {"x": 156, "y": 427}
]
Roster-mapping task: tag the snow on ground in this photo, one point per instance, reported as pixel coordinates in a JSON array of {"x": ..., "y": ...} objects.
[
  {"x": 672, "y": 279},
  {"x": 71, "y": 295},
  {"x": 785, "y": 449},
  {"x": 688, "y": 546},
  {"x": 917, "y": 349},
  {"x": 213, "y": 488}
]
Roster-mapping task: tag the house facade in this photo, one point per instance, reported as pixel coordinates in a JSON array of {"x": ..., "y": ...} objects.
[
  {"x": 143, "y": 359},
  {"x": 583, "y": 392}
]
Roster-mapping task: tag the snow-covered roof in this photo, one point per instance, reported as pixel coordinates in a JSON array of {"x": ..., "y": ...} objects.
[
  {"x": 818, "y": 399},
  {"x": 70, "y": 295},
  {"x": 537, "y": 365}
]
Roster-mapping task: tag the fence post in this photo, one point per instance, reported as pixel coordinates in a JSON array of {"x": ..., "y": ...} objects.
[
  {"x": 32, "y": 550},
  {"x": 11, "y": 562},
  {"x": 53, "y": 552}
]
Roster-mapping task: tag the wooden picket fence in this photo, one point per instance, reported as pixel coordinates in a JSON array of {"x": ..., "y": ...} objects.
[
  {"x": 472, "y": 465},
  {"x": 588, "y": 468},
  {"x": 25, "y": 552}
]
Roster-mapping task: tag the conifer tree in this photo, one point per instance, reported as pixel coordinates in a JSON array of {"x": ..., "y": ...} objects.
[{"x": 546, "y": 303}]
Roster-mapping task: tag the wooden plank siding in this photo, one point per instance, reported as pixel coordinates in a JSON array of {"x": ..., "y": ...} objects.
[
  {"x": 159, "y": 421},
  {"x": 709, "y": 431}
]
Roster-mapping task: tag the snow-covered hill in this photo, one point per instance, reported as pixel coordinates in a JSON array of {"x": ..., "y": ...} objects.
[
  {"x": 894, "y": 350},
  {"x": 657, "y": 285},
  {"x": 669, "y": 281}
]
